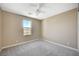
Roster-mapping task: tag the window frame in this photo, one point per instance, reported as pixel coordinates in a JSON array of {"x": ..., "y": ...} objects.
[{"x": 30, "y": 30}]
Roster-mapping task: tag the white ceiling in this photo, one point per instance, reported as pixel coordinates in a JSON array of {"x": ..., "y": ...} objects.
[{"x": 47, "y": 9}]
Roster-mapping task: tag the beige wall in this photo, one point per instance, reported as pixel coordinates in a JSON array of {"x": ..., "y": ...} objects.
[
  {"x": 78, "y": 30},
  {"x": 0, "y": 29},
  {"x": 61, "y": 28},
  {"x": 12, "y": 29}
]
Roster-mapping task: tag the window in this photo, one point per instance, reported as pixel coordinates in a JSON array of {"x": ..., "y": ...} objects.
[{"x": 27, "y": 26}]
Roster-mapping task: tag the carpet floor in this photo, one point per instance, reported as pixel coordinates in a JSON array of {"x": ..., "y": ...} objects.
[{"x": 38, "y": 48}]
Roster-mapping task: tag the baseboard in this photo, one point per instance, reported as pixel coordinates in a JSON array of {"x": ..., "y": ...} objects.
[
  {"x": 62, "y": 45},
  {"x": 18, "y": 44},
  {"x": 36, "y": 40}
]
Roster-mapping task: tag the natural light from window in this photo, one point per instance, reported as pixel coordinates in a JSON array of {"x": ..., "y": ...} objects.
[{"x": 27, "y": 27}]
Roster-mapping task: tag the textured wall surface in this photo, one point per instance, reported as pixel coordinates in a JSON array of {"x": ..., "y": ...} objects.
[
  {"x": 78, "y": 30},
  {"x": 13, "y": 32},
  {"x": 0, "y": 28},
  {"x": 61, "y": 28}
]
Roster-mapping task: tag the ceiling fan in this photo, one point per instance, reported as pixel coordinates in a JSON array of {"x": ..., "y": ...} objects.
[{"x": 38, "y": 8}]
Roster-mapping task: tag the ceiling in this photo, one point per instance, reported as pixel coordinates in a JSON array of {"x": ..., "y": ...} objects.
[{"x": 45, "y": 10}]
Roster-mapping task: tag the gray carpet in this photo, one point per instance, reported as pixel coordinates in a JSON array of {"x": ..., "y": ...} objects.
[{"x": 38, "y": 48}]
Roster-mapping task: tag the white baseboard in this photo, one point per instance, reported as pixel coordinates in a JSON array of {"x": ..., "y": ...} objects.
[
  {"x": 17, "y": 44},
  {"x": 36, "y": 40},
  {"x": 62, "y": 45}
]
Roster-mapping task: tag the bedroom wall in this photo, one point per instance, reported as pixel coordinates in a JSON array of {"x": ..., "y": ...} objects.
[
  {"x": 61, "y": 28},
  {"x": 78, "y": 29},
  {"x": 0, "y": 28},
  {"x": 13, "y": 32}
]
